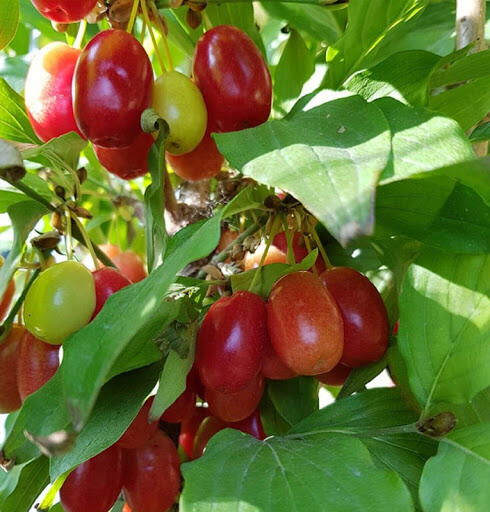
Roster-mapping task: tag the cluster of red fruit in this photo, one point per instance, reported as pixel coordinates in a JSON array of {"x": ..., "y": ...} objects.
[
  {"x": 68, "y": 291},
  {"x": 311, "y": 325},
  {"x": 100, "y": 92}
]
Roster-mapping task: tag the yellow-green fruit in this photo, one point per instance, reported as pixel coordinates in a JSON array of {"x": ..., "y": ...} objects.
[
  {"x": 177, "y": 99},
  {"x": 60, "y": 301}
]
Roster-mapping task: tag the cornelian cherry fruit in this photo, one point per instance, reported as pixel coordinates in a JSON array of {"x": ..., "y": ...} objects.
[
  {"x": 130, "y": 265},
  {"x": 128, "y": 162},
  {"x": 305, "y": 324},
  {"x": 152, "y": 475},
  {"x": 335, "y": 377},
  {"x": 189, "y": 427},
  {"x": 95, "y": 484},
  {"x": 140, "y": 430},
  {"x": 64, "y": 11},
  {"x": 366, "y": 325},
  {"x": 48, "y": 88},
  {"x": 180, "y": 408},
  {"x": 234, "y": 79},
  {"x": 36, "y": 364},
  {"x": 231, "y": 341},
  {"x": 112, "y": 86},
  {"x": 7, "y": 299},
  {"x": 202, "y": 163},
  {"x": 272, "y": 366},
  {"x": 236, "y": 406},
  {"x": 9, "y": 352},
  {"x": 107, "y": 281}
]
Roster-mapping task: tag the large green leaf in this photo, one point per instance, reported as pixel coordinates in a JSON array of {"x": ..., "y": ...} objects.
[
  {"x": 9, "y": 19},
  {"x": 296, "y": 65},
  {"x": 369, "y": 23},
  {"x": 330, "y": 472},
  {"x": 437, "y": 211},
  {"x": 22, "y": 485},
  {"x": 403, "y": 76},
  {"x": 328, "y": 156},
  {"x": 373, "y": 416},
  {"x": 468, "y": 104},
  {"x": 421, "y": 140},
  {"x": 23, "y": 216},
  {"x": 118, "y": 404},
  {"x": 294, "y": 399},
  {"x": 314, "y": 20},
  {"x": 457, "y": 478},
  {"x": 14, "y": 123},
  {"x": 444, "y": 326},
  {"x": 466, "y": 68}
]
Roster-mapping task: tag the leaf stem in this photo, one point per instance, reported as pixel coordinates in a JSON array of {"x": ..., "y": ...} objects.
[
  {"x": 7, "y": 324},
  {"x": 253, "y": 228},
  {"x": 161, "y": 28},
  {"x": 32, "y": 194},
  {"x": 88, "y": 242},
  {"x": 328, "y": 4},
  {"x": 152, "y": 35},
  {"x": 400, "y": 429},
  {"x": 319, "y": 244},
  {"x": 132, "y": 17}
]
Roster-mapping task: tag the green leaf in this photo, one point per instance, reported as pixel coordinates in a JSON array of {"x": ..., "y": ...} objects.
[
  {"x": 468, "y": 104},
  {"x": 374, "y": 416},
  {"x": 294, "y": 399},
  {"x": 174, "y": 375},
  {"x": 23, "y": 217},
  {"x": 294, "y": 68},
  {"x": 118, "y": 404},
  {"x": 14, "y": 123},
  {"x": 369, "y": 23},
  {"x": 331, "y": 472},
  {"x": 58, "y": 152},
  {"x": 274, "y": 424},
  {"x": 404, "y": 76},
  {"x": 359, "y": 377},
  {"x": 23, "y": 484},
  {"x": 329, "y": 157},
  {"x": 268, "y": 275},
  {"x": 437, "y": 211},
  {"x": 481, "y": 133},
  {"x": 421, "y": 140},
  {"x": 314, "y": 20},
  {"x": 466, "y": 68},
  {"x": 450, "y": 294},
  {"x": 9, "y": 19},
  {"x": 240, "y": 15},
  {"x": 156, "y": 233},
  {"x": 457, "y": 478}
]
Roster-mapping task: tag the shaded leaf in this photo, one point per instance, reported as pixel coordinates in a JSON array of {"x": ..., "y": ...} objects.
[
  {"x": 9, "y": 19},
  {"x": 450, "y": 294}
]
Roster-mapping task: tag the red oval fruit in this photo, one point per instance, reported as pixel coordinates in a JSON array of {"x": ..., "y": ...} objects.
[
  {"x": 130, "y": 265},
  {"x": 7, "y": 299},
  {"x": 48, "y": 88},
  {"x": 129, "y": 162},
  {"x": 64, "y": 11},
  {"x": 152, "y": 475},
  {"x": 201, "y": 164},
  {"x": 273, "y": 367},
  {"x": 180, "y": 408},
  {"x": 335, "y": 377},
  {"x": 9, "y": 353},
  {"x": 210, "y": 426},
  {"x": 37, "y": 363},
  {"x": 232, "y": 407},
  {"x": 112, "y": 87},
  {"x": 305, "y": 324},
  {"x": 234, "y": 79},
  {"x": 140, "y": 431},
  {"x": 189, "y": 427},
  {"x": 107, "y": 281},
  {"x": 231, "y": 341},
  {"x": 366, "y": 325},
  {"x": 95, "y": 485}
]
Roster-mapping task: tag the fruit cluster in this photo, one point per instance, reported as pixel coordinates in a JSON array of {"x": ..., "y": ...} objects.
[
  {"x": 100, "y": 92},
  {"x": 311, "y": 325}
]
